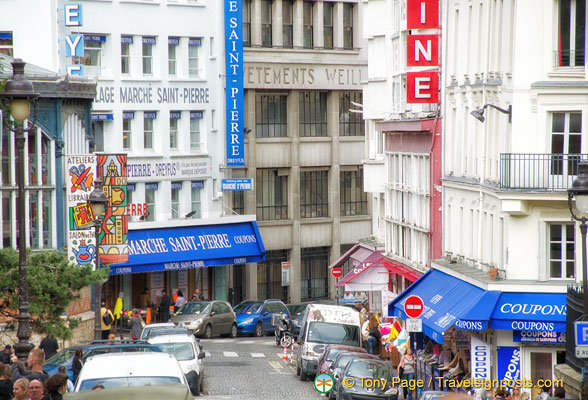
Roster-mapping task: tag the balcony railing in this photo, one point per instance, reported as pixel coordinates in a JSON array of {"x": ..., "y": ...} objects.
[
  {"x": 568, "y": 58},
  {"x": 546, "y": 172}
]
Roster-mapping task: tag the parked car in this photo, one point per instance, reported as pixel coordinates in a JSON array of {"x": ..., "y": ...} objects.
[
  {"x": 432, "y": 395},
  {"x": 207, "y": 318},
  {"x": 175, "y": 391},
  {"x": 255, "y": 317},
  {"x": 324, "y": 324},
  {"x": 152, "y": 327},
  {"x": 130, "y": 369},
  {"x": 370, "y": 369},
  {"x": 186, "y": 349},
  {"x": 297, "y": 312},
  {"x": 331, "y": 353},
  {"x": 65, "y": 356},
  {"x": 336, "y": 369}
]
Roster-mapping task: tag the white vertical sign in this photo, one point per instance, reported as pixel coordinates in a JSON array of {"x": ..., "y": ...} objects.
[{"x": 480, "y": 359}]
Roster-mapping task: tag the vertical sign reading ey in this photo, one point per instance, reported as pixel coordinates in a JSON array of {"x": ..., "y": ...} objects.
[
  {"x": 74, "y": 43},
  {"x": 81, "y": 172},
  {"x": 422, "y": 51},
  {"x": 234, "y": 76}
]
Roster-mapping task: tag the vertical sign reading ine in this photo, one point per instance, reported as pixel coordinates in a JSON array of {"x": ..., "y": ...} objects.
[
  {"x": 234, "y": 76},
  {"x": 81, "y": 172},
  {"x": 114, "y": 235}
]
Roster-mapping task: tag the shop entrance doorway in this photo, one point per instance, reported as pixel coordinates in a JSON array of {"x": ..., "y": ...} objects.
[{"x": 541, "y": 369}]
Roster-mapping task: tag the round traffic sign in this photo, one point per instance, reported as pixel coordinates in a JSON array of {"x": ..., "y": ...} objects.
[
  {"x": 414, "y": 306},
  {"x": 337, "y": 272}
]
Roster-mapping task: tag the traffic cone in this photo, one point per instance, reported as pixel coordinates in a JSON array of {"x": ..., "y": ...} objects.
[{"x": 285, "y": 355}]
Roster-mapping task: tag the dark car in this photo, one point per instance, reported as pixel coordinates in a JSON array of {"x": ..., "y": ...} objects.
[
  {"x": 255, "y": 317},
  {"x": 207, "y": 318},
  {"x": 331, "y": 353},
  {"x": 378, "y": 373},
  {"x": 432, "y": 395},
  {"x": 65, "y": 356},
  {"x": 338, "y": 366}
]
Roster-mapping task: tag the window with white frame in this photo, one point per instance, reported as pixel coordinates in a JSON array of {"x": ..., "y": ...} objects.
[
  {"x": 6, "y": 45},
  {"x": 266, "y": 23},
  {"x": 125, "y": 54},
  {"x": 175, "y": 199},
  {"x": 174, "y": 119},
  {"x": 93, "y": 47},
  {"x": 196, "y": 187},
  {"x": 148, "y": 44},
  {"x": 127, "y": 132},
  {"x": 562, "y": 264},
  {"x": 287, "y": 23},
  {"x": 328, "y": 25},
  {"x": 148, "y": 119},
  {"x": 151, "y": 189},
  {"x": 194, "y": 46},
  {"x": 195, "y": 118},
  {"x": 571, "y": 35},
  {"x": 172, "y": 48},
  {"x": 98, "y": 130},
  {"x": 566, "y": 142}
]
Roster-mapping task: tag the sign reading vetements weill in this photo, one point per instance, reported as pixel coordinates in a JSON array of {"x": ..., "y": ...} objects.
[{"x": 234, "y": 77}]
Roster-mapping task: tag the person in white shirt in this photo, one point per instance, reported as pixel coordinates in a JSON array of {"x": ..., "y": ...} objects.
[
  {"x": 348, "y": 296},
  {"x": 360, "y": 296},
  {"x": 70, "y": 386}
]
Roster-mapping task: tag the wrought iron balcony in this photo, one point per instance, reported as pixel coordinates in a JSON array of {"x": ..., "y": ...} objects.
[{"x": 543, "y": 172}]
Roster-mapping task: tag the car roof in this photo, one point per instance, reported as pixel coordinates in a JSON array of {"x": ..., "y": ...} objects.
[
  {"x": 355, "y": 354},
  {"x": 175, "y": 338},
  {"x": 178, "y": 330},
  {"x": 123, "y": 364},
  {"x": 175, "y": 391},
  {"x": 159, "y": 324},
  {"x": 369, "y": 360}
]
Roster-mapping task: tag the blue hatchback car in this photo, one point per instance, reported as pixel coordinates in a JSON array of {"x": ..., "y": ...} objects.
[{"x": 254, "y": 317}]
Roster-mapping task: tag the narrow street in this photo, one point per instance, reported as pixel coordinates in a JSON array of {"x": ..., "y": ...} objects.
[{"x": 251, "y": 368}]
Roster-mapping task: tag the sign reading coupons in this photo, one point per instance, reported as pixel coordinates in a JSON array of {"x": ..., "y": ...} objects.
[
  {"x": 509, "y": 363},
  {"x": 538, "y": 337}
]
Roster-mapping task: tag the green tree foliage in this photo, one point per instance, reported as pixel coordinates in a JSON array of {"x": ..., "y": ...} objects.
[{"x": 53, "y": 284}]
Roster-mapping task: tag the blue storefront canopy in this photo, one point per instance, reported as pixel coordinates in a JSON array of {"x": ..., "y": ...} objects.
[
  {"x": 448, "y": 301},
  {"x": 530, "y": 312},
  {"x": 451, "y": 301},
  {"x": 170, "y": 249}
]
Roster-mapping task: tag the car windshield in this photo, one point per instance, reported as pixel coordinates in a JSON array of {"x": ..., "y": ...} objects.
[
  {"x": 112, "y": 383},
  {"x": 194, "y": 308},
  {"x": 247, "y": 308},
  {"x": 118, "y": 349},
  {"x": 61, "y": 357},
  {"x": 344, "y": 359},
  {"x": 360, "y": 369},
  {"x": 182, "y": 351},
  {"x": 326, "y": 332},
  {"x": 333, "y": 353},
  {"x": 147, "y": 329},
  {"x": 297, "y": 309}
]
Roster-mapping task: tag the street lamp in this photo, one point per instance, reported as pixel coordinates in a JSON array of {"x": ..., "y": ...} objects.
[
  {"x": 479, "y": 114},
  {"x": 98, "y": 202},
  {"x": 579, "y": 191},
  {"x": 17, "y": 98}
]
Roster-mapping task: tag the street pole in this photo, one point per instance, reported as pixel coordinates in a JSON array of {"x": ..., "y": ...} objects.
[
  {"x": 583, "y": 229},
  {"x": 24, "y": 346},
  {"x": 97, "y": 286}
]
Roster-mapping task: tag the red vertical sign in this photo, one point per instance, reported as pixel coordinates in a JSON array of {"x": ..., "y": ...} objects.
[
  {"x": 422, "y": 14},
  {"x": 422, "y": 50},
  {"x": 422, "y": 87}
]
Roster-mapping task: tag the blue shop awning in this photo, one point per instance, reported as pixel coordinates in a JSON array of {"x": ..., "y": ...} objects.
[
  {"x": 183, "y": 247},
  {"x": 448, "y": 301},
  {"x": 530, "y": 312}
]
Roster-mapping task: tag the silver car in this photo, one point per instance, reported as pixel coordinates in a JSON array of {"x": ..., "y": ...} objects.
[{"x": 207, "y": 318}]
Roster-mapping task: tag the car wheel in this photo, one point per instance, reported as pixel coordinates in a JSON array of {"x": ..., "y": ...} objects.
[
  {"x": 258, "y": 330},
  {"x": 202, "y": 384},
  {"x": 303, "y": 375},
  {"x": 208, "y": 331},
  {"x": 297, "y": 369},
  {"x": 233, "y": 333},
  {"x": 286, "y": 341}
]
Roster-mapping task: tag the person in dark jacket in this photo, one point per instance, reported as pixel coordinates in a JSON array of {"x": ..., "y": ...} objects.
[
  {"x": 77, "y": 364},
  {"x": 164, "y": 305},
  {"x": 136, "y": 325},
  {"x": 34, "y": 362},
  {"x": 49, "y": 345},
  {"x": 6, "y": 355},
  {"x": 5, "y": 382},
  {"x": 56, "y": 387}
]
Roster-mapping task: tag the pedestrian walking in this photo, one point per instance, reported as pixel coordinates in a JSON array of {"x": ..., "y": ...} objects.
[
  {"x": 34, "y": 362},
  {"x": 407, "y": 364},
  {"x": 77, "y": 363},
  {"x": 5, "y": 382},
  {"x": 36, "y": 390},
  {"x": 164, "y": 305},
  {"x": 6, "y": 355},
  {"x": 49, "y": 345},
  {"x": 56, "y": 387},
  {"x": 179, "y": 301},
  {"x": 106, "y": 320},
  {"x": 374, "y": 334},
  {"x": 136, "y": 325},
  {"x": 62, "y": 370},
  {"x": 20, "y": 389}
]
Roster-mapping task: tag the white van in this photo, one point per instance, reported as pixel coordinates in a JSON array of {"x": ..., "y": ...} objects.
[{"x": 322, "y": 325}]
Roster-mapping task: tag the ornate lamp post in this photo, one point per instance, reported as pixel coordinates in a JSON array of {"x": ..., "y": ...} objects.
[
  {"x": 98, "y": 202},
  {"x": 18, "y": 97},
  {"x": 579, "y": 191}
]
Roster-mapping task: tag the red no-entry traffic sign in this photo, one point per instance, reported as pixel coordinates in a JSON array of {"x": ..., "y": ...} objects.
[
  {"x": 414, "y": 306},
  {"x": 337, "y": 272}
]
